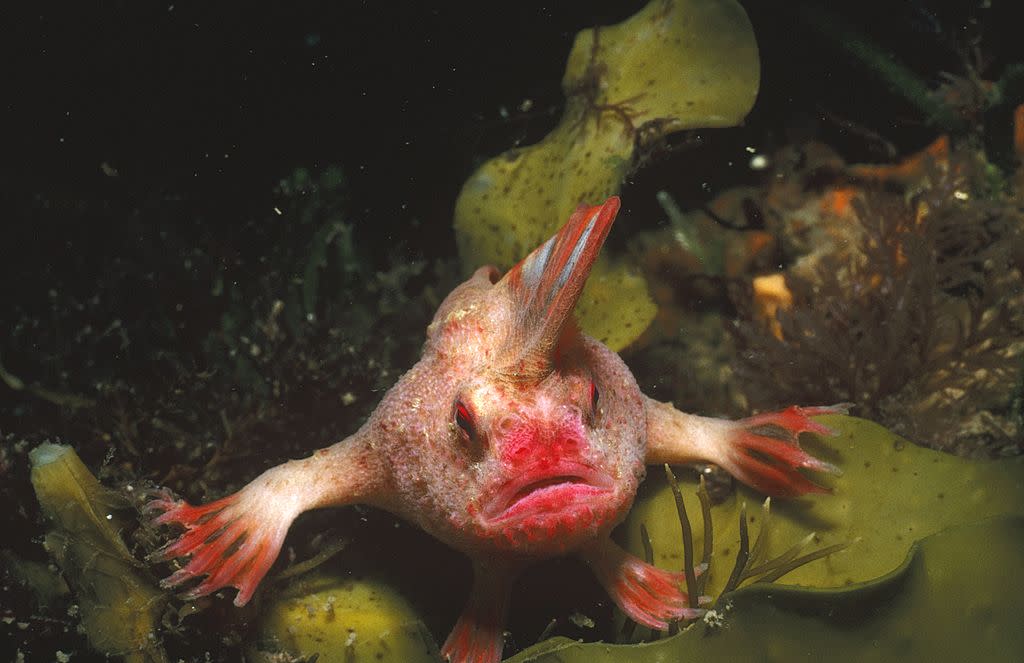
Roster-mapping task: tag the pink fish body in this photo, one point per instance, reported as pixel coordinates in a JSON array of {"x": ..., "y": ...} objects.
[{"x": 513, "y": 439}]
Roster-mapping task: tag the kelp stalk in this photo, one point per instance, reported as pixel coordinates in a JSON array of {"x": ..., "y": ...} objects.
[
  {"x": 709, "y": 535},
  {"x": 684, "y": 523},
  {"x": 741, "y": 556}
]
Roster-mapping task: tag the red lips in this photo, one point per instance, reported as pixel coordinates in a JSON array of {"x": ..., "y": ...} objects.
[{"x": 547, "y": 489}]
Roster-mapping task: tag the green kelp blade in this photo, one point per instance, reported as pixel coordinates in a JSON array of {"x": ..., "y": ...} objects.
[
  {"x": 891, "y": 494},
  {"x": 119, "y": 603},
  {"x": 956, "y": 597},
  {"x": 343, "y": 619},
  {"x": 673, "y": 65}
]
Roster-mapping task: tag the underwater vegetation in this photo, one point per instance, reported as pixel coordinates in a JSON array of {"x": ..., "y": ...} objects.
[
  {"x": 120, "y": 606},
  {"x": 910, "y": 304},
  {"x": 232, "y": 347},
  {"x": 908, "y": 542},
  {"x": 676, "y": 64},
  {"x": 894, "y": 286},
  {"x": 123, "y": 610},
  {"x": 891, "y": 494},
  {"x": 906, "y": 611},
  {"x": 344, "y": 618},
  {"x": 903, "y": 545},
  {"x": 277, "y": 343}
]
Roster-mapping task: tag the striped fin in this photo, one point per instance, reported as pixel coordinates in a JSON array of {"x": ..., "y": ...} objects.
[{"x": 546, "y": 285}]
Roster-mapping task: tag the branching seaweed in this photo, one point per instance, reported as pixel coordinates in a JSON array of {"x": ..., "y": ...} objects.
[
  {"x": 920, "y": 324},
  {"x": 752, "y": 564}
]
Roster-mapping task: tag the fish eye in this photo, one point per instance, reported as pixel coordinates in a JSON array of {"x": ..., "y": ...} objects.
[
  {"x": 464, "y": 420},
  {"x": 595, "y": 395}
]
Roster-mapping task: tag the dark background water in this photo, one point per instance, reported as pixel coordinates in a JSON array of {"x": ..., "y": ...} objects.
[{"x": 201, "y": 108}]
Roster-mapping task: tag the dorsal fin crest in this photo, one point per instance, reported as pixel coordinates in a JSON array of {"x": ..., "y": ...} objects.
[{"x": 546, "y": 285}]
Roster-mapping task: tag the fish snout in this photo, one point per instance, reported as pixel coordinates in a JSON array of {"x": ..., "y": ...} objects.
[{"x": 519, "y": 443}]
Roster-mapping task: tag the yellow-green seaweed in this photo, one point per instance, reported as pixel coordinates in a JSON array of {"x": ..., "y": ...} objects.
[
  {"x": 119, "y": 603},
  {"x": 891, "y": 494},
  {"x": 955, "y": 597},
  {"x": 346, "y": 620},
  {"x": 676, "y": 64},
  {"x": 47, "y": 588}
]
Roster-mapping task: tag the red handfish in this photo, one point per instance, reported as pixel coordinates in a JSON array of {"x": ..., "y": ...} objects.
[{"x": 514, "y": 438}]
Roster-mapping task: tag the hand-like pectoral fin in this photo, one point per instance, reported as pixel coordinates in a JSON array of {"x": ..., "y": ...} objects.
[
  {"x": 234, "y": 541},
  {"x": 762, "y": 451}
]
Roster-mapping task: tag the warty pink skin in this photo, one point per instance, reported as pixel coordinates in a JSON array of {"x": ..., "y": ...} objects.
[{"x": 514, "y": 438}]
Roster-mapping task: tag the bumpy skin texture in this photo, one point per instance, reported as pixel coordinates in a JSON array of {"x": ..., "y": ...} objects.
[
  {"x": 520, "y": 433},
  {"x": 514, "y": 438}
]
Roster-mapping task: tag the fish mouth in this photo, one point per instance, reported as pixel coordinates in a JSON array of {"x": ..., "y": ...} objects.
[{"x": 547, "y": 490}]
